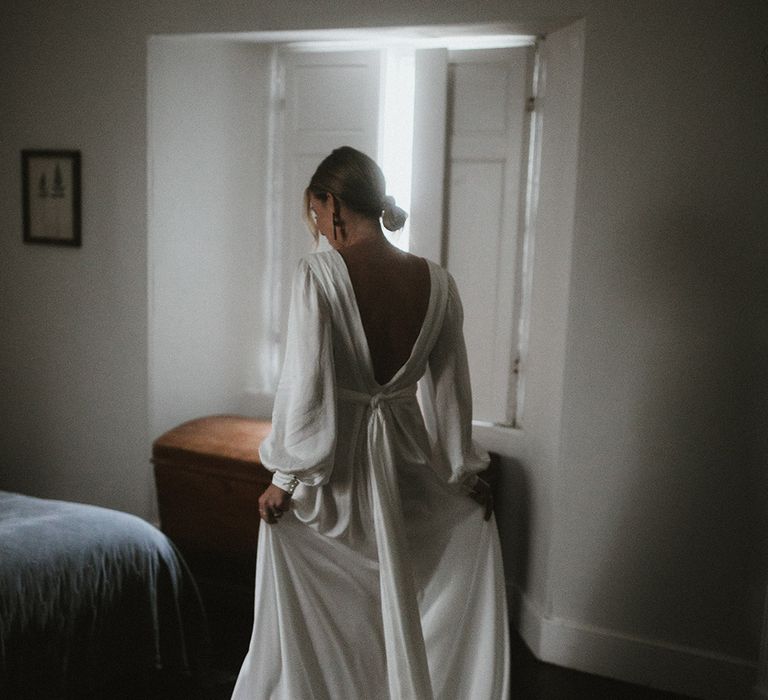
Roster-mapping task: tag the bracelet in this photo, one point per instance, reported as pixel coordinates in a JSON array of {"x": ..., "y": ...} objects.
[{"x": 286, "y": 482}]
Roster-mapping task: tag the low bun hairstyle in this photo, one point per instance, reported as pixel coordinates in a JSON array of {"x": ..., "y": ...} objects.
[
  {"x": 392, "y": 216},
  {"x": 355, "y": 179}
]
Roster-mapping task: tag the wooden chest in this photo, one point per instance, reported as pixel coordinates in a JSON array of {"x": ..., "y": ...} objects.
[{"x": 209, "y": 478}]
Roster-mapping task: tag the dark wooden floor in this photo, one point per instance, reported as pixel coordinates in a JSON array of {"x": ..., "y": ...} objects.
[{"x": 531, "y": 680}]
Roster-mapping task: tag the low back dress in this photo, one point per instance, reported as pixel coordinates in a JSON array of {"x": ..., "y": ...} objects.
[{"x": 383, "y": 581}]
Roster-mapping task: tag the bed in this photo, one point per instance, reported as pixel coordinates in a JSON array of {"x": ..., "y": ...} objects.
[{"x": 91, "y": 599}]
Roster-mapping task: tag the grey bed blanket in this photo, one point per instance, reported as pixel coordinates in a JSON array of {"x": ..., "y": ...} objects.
[{"x": 89, "y": 595}]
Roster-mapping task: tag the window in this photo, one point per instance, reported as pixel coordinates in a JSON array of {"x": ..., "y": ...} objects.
[
  {"x": 366, "y": 98},
  {"x": 220, "y": 194}
]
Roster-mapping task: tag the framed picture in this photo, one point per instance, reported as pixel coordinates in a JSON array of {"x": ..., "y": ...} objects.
[{"x": 50, "y": 182}]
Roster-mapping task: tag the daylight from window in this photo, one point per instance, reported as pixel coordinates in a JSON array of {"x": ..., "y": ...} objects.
[{"x": 396, "y": 133}]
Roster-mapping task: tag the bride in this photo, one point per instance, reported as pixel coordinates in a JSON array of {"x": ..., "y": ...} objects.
[{"x": 379, "y": 574}]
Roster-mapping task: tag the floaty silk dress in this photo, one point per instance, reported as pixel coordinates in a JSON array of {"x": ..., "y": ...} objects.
[{"x": 383, "y": 581}]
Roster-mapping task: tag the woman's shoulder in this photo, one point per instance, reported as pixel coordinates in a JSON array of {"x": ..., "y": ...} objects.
[
  {"x": 315, "y": 261},
  {"x": 437, "y": 273},
  {"x": 434, "y": 267},
  {"x": 318, "y": 269}
]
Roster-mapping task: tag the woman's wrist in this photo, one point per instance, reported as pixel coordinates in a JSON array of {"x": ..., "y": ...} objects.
[{"x": 286, "y": 482}]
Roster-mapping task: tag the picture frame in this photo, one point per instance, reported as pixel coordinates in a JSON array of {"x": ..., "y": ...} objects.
[{"x": 50, "y": 181}]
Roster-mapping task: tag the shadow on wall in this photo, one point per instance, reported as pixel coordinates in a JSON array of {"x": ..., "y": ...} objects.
[
  {"x": 676, "y": 553},
  {"x": 511, "y": 492}
]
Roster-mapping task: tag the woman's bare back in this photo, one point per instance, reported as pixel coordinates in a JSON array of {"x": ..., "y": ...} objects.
[{"x": 392, "y": 289}]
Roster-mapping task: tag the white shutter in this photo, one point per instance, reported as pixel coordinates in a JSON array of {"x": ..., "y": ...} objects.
[
  {"x": 486, "y": 132},
  {"x": 325, "y": 100}
]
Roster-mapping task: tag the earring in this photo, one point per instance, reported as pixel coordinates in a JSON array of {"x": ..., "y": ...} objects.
[{"x": 337, "y": 223}]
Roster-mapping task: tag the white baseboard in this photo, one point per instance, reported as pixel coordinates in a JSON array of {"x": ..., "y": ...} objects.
[{"x": 694, "y": 672}]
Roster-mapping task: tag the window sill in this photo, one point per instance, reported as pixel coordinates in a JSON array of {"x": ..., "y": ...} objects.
[{"x": 506, "y": 440}]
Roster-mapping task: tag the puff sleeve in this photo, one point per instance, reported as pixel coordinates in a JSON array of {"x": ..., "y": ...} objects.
[
  {"x": 303, "y": 438},
  {"x": 448, "y": 409}
]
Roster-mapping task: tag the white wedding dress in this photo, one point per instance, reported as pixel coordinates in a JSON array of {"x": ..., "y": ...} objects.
[{"x": 383, "y": 581}]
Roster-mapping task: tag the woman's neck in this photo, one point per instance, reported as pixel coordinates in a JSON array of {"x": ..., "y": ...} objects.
[{"x": 359, "y": 233}]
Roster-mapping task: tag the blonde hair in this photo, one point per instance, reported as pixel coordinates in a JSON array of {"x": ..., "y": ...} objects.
[{"x": 354, "y": 178}]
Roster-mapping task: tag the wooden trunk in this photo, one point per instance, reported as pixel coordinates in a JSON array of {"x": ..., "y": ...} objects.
[{"x": 209, "y": 478}]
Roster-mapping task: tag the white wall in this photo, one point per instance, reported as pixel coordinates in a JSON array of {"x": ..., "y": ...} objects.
[
  {"x": 659, "y": 492},
  {"x": 207, "y": 148},
  {"x": 653, "y": 507},
  {"x": 73, "y": 356}
]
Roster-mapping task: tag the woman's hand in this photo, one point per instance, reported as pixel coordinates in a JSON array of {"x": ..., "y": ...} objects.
[
  {"x": 273, "y": 503},
  {"x": 481, "y": 492}
]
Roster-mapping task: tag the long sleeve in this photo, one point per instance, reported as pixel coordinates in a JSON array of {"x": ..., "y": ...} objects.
[
  {"x": 303, "y": 437},
  {"x": 448, "y": 404}
]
